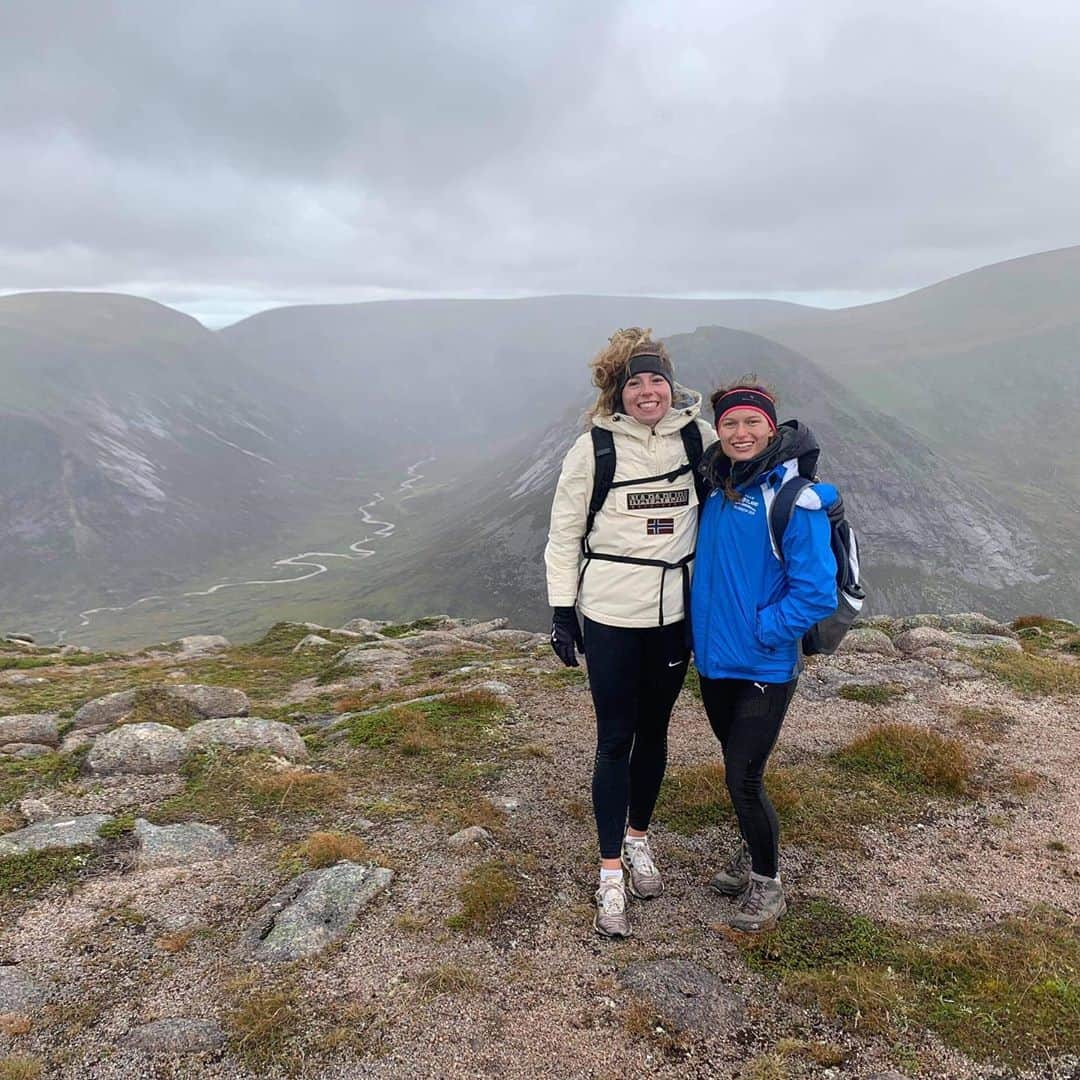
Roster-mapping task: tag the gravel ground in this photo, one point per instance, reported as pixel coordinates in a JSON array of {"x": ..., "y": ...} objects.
[{"x": 542, "y": 996}]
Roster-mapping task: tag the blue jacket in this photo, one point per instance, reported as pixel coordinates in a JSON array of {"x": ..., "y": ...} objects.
[{"x": 749, "y": 609}]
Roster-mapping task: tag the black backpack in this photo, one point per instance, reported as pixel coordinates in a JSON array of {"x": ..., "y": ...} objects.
[
  {"x": 604, "y": 480},
  {"x": 825, "y": 636}
]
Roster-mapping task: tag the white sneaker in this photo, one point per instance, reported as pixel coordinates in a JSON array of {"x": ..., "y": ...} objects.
[
  {"x": 637, "y": 858},
  {"x": 611, "y": 919}
]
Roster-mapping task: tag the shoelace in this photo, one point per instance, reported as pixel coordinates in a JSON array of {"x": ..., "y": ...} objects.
[
  {"x": 641, "y": 858},
  {"x": 738, "y": 862},
  {"x": 612, "y": 899},
  {"x": 754, "y": 901}
]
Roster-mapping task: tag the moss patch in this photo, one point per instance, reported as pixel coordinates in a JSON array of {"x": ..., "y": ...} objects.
[
  {"x": 29, "y": 874},
  {"x": 24, "y": 776},
  {"x": 875, "y": 694},
  {"x": 1009, "y": 994},
  {"x": 987, "y": 722},
  {"x": 249, "y": 792}
]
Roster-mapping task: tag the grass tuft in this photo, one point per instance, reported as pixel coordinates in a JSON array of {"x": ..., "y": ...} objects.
[
  {"x": 154, "y": 704},
  {"x": 1031, "y": 675},
  {"x": 942, "y": 901},
  {"x": 448, "y": 979},
  {"x": 264, "y": 1026},
  {"x": 909, "y": 758},
  {"x": 20, "y": 1068},
  {"x": 486, "y": 895},
  {"x": 322, "y": 849},
  {"x": 415, "y": 627}
]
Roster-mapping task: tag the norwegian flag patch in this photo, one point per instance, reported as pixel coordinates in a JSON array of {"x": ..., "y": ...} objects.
[{"x": 660, "y": 526}]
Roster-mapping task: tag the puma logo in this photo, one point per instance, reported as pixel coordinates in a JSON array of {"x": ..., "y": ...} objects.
[{"x": 762, "y": 686}]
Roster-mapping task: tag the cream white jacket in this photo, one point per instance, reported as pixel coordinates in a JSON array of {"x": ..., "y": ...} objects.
[{"x": 655, "y": 520}]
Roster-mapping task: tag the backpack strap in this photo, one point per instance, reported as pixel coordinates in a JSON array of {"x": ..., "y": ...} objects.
[
  {"x": 604, "y": 473},
  {"x": 780, "y": 509},
  {"x": 691, "y": 437}
]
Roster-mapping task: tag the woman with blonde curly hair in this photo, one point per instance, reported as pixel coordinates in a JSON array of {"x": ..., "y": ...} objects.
[{"x": 620, "y": 547}]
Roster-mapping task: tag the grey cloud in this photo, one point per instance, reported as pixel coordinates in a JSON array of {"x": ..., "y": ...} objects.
[{"x": 339, "y": 149}]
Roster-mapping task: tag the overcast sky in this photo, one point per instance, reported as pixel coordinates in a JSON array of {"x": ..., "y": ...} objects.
[{"x": 228, "y": 156}]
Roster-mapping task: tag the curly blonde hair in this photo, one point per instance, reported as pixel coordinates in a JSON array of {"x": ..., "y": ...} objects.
[{"x": 609, "y": 365}]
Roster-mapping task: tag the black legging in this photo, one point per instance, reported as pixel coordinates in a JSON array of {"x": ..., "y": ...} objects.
[
  {"x": 746, "y": 718},
  {"x": 635, "y": 676}
]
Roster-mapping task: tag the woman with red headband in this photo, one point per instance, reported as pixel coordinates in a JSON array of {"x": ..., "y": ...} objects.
[{"x": 751, "y": 605}]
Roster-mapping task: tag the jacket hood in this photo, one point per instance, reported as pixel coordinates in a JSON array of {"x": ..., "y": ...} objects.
[
  {"x": 685, "y": 408},
  {"x": 793, "y": 440}
]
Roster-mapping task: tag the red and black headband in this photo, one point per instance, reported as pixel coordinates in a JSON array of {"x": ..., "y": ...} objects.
[{"x": 745, "y": 397}]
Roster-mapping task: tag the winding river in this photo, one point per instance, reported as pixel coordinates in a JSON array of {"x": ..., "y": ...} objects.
[{"x": 309, "y": 562}]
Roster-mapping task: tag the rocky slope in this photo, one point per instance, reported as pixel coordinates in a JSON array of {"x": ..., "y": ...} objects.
[{"x": 368, "y": 851}]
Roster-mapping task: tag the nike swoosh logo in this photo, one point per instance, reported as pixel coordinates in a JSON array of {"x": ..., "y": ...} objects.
[{"x": 677, "y": 663}]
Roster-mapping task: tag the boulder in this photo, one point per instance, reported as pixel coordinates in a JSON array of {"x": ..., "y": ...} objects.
[
  {"x": 922, "y": 637},
  {"x": 24, "y": 750},
  {"x": 30, "y": 728},
  {"x": 686, "y": 995},
  {"x": 965, "y": 622},
  {"x": 364, "y": 626},
  {"x": 105, "y": 711},
  {"x": 866, "y": 639},
  {"x": 35, "y": 810},
  {"x": 138, "y": 748},
  {"x": 20, "y": 992},
  {"x": 179, "y": 845},
  {"x": 479, "y": 630},
  {"x": 311, "y": 641},
  {"x": 382, "y": 660},
  {"x": 55, "y": 833},
  {"x": 475, "y": 836},
  {"x": 985, "y": 642},
  {"x": 178, "y": 1035},
  {"x": 77, "y": 740},
  {"x": 197, "y": 645},
  {"x": 247, "y": 733},
  {"x": 212, "y": 701},
  {"x": 312, "y": 911},
  {"x": 440, "y": 643}
]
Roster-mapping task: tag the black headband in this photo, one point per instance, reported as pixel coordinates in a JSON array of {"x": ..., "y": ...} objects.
[
  {"x": 652, "y": 363},
  {"x": 744, "y": 397}
]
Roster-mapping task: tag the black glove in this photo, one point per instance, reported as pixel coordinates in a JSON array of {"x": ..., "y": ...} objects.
[{"x": 565, "y": 634}]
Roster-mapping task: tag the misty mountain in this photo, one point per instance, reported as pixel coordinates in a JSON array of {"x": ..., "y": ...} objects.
[
  {"x": 933, "y": 536},
  {"x": 461, "y": 369},
  {"x": 985, "y": 366},
  {"x": 132, "y": 445}
]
